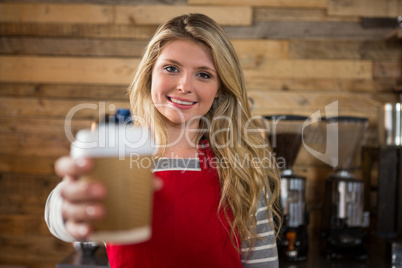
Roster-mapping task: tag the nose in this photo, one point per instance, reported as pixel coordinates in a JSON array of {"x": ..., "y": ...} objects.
[{"x": 185, "y": 83}]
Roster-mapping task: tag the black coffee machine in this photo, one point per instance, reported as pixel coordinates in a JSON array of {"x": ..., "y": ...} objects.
[
  {"x": 344, "y": 224},
  {"x": 285, "y": 137}
]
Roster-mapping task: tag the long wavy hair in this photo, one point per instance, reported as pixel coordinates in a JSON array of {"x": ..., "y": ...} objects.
[{"x": 242, "y": 182}]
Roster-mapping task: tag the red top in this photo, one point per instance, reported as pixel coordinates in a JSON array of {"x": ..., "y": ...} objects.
[{"x": 187, "y": 230}]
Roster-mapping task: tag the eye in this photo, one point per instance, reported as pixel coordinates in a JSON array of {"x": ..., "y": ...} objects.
[
  {"x": 171, "y": 69},
  {"x": 205, "y": 75}
]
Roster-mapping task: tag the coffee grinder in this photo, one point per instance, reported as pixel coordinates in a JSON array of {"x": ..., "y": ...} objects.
[
  {"x": 344, "y": 222},
  {"x": 285, "y": 137}
]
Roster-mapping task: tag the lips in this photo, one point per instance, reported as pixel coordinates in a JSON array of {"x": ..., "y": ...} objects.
[{"x": 181, "y": 103}]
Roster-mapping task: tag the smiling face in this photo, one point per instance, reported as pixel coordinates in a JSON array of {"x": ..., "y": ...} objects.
[{"x": 184, "y": 82}]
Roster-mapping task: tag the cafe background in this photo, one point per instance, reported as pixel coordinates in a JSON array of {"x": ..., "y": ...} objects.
[{"x": 298, "y": 57}]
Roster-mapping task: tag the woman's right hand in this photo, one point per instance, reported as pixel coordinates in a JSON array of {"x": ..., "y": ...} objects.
[{"x": 82, "y": 199}]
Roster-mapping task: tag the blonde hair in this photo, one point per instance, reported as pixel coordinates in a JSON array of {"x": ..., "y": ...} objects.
[{"x": 241, "y": 186}]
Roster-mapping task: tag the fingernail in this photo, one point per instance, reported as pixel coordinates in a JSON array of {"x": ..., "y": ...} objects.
[
  {"x": 80, "y": 162},
  {"x": 90, "y": 210},
  {"x": 95, "y": 191},
  {"x": 82, "y": 230}
]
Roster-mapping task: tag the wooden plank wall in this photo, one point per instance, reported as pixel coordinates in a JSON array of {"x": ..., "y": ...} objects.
[{"x": 298, "y": 57}]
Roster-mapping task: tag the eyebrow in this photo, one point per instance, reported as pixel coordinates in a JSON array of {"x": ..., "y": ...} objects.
[{"x": 199, "y": 68}]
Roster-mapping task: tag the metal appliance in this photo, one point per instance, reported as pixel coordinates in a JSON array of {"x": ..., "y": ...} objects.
[
  {"x": 344, "y": 223},
  {"x": 382, "y": 171},
  {"x": 285, "y": 137}
]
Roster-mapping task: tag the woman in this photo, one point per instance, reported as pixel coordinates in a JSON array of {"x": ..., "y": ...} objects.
[{"x": 190, "y": 91}]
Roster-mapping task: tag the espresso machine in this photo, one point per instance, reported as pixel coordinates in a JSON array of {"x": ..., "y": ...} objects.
[
  {"x": 285, "y": 137},
  {"x": 344, "y": 224}
]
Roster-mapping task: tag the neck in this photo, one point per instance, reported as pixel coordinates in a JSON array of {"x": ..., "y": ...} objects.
[{"x": 182, "y": 141}]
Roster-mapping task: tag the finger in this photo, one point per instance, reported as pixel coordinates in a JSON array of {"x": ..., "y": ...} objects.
[
  {"x": 83, "y": 191},
  {"x": 70, "y": 178},
  {"x": 157, "y": 183},
  {"x": 72, "y": 167},
  {"x": 83, "y": 212},
  {"x": 79, "y": 230}
]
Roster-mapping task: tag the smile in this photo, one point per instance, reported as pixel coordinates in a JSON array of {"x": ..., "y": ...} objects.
[{"x": 181, "y": 102}]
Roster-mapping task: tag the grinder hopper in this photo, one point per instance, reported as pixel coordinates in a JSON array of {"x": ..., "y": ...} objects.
[
  {"x": 285, "y": 136},
  {"x": 350, "y": 136}
]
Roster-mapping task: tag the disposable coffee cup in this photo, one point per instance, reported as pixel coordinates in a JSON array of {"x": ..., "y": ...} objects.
[{"x": 122, "y": 158}]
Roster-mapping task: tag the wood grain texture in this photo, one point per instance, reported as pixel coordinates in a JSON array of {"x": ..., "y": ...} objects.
[
  {"x": 259, "y": 30},
  {"x": 111, "y": 71},
  {"x": 56, "y": 13},
  {"x": 39, "y": 137},
  {"x": 31, "y": 250},
  {"x": 305, "y": 84},
  {"x": 252, "y": 53},
  {"x": 326, "y": 49},
  {"x": 246, "y": 49},
  {"x": 27, "y": 205},
  {"x": 11, "y": 89},
  {"x": 388, "y": 69},
  {"x": 21, "y": 134},
  {"x": 72, "y": 47},
  {"x": 314, "y": 100},
  {"x": 61, "y": 91},
  {"x": 306, "y": 30},
  {"x": 261, "y": 49},
  {"x": 77, "y": 30},
  {"x": 306, "y": 103},
  {"x": 111, "y": 2},
  {"x": 58, "y": 108},
  {"x": 34, "y": 145},
  {"x": 157, "y": 14},
  {"x": 35, "y": 126},
  {"x": 270, "y": 3},
  {"x": 317, "y": 69},
  {"x": 297, "y": 14},
  {"x": 20, "y": 164},
  {"x": 367, "y": 8},
  {"x": 118, "y": 14},
  {"x": 27, "y": 185},
  {"x": 23, "y": 225},
  {"x": 17, "y": 264}
]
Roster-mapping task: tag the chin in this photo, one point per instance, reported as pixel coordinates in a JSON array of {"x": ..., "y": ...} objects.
[{"x": 175, "y": 119}]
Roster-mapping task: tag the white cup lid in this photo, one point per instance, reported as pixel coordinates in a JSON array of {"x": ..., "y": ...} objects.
[{"x": 111, "y": 140}]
